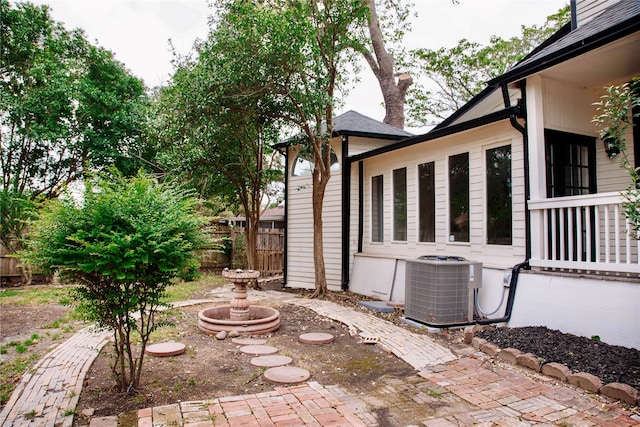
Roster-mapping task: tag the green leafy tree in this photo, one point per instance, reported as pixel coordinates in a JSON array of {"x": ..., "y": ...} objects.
[
  {"x": 291, "y": 57},
  {"x": 122, "y": 244},
  {"x": 216, "y": 142},
  {"x": 447, "y": 78},
  {"x": 616, "y": 111},
  {"x": 66, "y": 107}
]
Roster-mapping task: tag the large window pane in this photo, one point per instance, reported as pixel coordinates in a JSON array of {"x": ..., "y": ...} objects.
[
  {"x": 377, "y": 209},
  {"x": 459, "y": 198},
  {"x": 427, "y": 203},
  {"x": 400, "y": 204},
  {"x": 499, "y": 195}
]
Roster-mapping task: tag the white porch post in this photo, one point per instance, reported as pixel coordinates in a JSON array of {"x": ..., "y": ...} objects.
[{"x": 537, "y": 178}]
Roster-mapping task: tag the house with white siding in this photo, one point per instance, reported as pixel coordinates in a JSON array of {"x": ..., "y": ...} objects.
[
  {"x": 353, "y": 134},
  {"x": 516, "y": 184}
]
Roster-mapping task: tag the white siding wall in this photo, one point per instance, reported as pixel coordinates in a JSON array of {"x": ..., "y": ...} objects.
[
  {"x": 587, "y": 9},
  {"x": 577, "y": 118},
  {"x": 475, "y": 142},
  {"x": 359, "y": 145},
  {"x": 300, "y": 267}
]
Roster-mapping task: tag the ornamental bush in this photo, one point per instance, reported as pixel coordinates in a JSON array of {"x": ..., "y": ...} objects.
[{"x": 122, "y": 243}]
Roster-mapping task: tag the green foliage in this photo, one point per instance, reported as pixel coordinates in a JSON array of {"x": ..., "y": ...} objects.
[
  {"x": 614, "y": 116},
  {"x": 66, "y": 107},
  {"x": 26, "y": 296},
  {"x": 123, "y": 243},
  {"x": 16, "y": 209},
  {"x": 239, "y": 252},
  {"x": 449, "y": 77},
  {"x": 214, "y": 135},
  {"x": 285, "y": 60}
]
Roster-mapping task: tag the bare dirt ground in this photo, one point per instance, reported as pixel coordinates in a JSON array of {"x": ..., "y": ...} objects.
[{"x": 212, "y": 368}]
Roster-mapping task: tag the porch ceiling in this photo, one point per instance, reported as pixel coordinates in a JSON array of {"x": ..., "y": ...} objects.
[{"x": 613, "y": 63}]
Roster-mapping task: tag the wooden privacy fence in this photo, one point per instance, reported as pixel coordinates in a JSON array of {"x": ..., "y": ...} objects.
[
  {"x": 227, "y": 249},
  {"x": 9, "y": 271}
]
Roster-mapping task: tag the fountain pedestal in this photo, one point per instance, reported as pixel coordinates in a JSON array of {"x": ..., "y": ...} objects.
[
  {"x": 239, "y": 303},
  {"x": 239, "y": 315}
]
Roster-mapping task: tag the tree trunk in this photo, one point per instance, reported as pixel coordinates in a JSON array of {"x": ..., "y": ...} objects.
[
  {"x": 251, "y": 240},
  {"x": 393, "y": 86},
  {"x": 320, "y": 181}
]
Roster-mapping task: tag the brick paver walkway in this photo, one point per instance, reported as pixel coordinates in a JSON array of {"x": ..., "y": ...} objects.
[
  {"x": 505, "y": 396},
  {"x": 309, "y": 404},
  {"x": 48, "y": 395},
  {"x": 450, "y": 391}
]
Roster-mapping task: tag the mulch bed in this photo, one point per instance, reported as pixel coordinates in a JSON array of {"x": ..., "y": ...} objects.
[{"x": 610, "y": 363}]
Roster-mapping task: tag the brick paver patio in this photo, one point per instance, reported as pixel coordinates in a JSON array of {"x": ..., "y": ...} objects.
[{"x": 472, "y": 389}]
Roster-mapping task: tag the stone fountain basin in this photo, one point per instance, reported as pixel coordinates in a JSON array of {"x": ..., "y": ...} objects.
[{"x": 261, "y": 320}]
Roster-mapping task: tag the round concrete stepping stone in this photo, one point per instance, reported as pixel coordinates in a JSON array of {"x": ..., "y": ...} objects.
[
  {"x": 316, "y": 338},
  {"x": 258, "y": 350},
  {"x": 270, "y": 361},
  {"x": 248, "y": 341},
  {"x": 165, "y": 349},
  {"x": 286, "y": 375}
]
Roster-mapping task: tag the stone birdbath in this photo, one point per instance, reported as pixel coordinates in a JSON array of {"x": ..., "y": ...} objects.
[{"x": 239, "y": 316}]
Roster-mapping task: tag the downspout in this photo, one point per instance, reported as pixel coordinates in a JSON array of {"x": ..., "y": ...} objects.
[
  {"x": 286, "y": 215},
  {"x": 346, "y": 211},
  {"x": 360, "y": 205},
  {"x": 522, "y": 113},
  {"x": 515, "y": 271}
]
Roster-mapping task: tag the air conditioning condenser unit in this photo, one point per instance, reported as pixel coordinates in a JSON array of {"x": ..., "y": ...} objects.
[{"x": 439, "y": 289}]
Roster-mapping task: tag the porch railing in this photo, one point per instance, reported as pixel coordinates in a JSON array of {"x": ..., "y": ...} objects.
[{"x": 588, "y": 233}]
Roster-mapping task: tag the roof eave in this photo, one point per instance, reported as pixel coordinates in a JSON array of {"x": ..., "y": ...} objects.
[
  {"x": 369, "y": 135},
  {"x": 439, "y": 133},
  {"x": 576, "y": 49}
]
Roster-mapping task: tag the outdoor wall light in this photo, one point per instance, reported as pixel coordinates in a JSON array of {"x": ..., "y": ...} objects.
[{"x": 610, "y": 146}]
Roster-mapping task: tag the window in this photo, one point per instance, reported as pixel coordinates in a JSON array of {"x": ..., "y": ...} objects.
[
  {"x": 499, "y": 196},
  {"x": 571, "y": 160},
  {"x": 426, "y": 203},
  {"x": 400, "y": 204},
  {"x": 303, "y": 164},
  {"x": 377, "y": 209},
  {"x": 459, "y": 198}
]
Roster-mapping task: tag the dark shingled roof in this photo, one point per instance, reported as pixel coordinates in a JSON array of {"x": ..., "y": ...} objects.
[
  {"x": 356, "y": 124},
  {"x": 353, "y": 123},
  {"x": 614, "y": 22}
]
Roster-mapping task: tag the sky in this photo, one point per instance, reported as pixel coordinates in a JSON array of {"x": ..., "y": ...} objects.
[{"x": 138, "y": 32}]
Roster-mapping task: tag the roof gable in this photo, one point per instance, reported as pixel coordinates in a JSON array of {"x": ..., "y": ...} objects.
[{"x": 353, "y": 123}]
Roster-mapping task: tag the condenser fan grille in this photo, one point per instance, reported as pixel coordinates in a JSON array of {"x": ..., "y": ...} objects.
[{"x": 439, "y": 290}]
